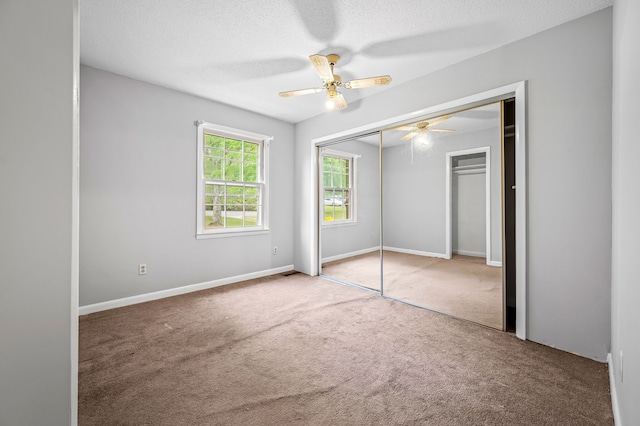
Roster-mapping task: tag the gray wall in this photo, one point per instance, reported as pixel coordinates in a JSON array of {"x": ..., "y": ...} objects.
[
  {"x": 414, "y": 211},
  {"x": 138, "y": 191},
  {"x": 364, "y": 234},
  {"x": 38, "y": 314},
  {"x": 568, "y": 69},
  {"x": 626, "y": 210},
  {"x": 468, "y": 214}
]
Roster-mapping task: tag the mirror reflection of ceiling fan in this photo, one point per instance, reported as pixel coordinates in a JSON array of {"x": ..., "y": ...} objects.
[
  {"x": 331, "y": 82},
  {"x": 420, "y": 129}
]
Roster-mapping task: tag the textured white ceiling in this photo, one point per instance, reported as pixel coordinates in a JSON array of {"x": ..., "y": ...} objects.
[{"x": 244, "y": 52}]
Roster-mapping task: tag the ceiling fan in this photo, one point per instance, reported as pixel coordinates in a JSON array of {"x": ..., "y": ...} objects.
[
  {"x": 330, "y": 81},
  {"x": 422, "y": 127}
]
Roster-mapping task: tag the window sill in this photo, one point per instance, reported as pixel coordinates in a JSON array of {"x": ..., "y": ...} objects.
[
  {"x": 231, "y": 234},
  {"x": 339, "y": 224}
]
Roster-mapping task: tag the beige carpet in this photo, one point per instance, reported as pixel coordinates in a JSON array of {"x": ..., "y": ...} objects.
[
  {"x": 464, "y": 286},
  {"x": 298, "y": 350}
]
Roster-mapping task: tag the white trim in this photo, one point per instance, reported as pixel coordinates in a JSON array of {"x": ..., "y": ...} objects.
[
  {"x": 233, "y": 233},
  {"x": 234, "y": 133},
  {"x": 75, "y": 216},
  {"x": 453, "y": 105},
  {"x": 521, "y": 212},
  {"x": 416, "y": 252},
  {"x": 448, "y": 201},
  {"x": 519, "y": 90},
  {"x": 494, "y": 263},
  {"x": 338, "y": 223},
  {"x": 617, "y": 420},
  {"x": 350, "y": 254},
  {"x": 470, "y": 253},
  {"x": 147, "y": 297}
]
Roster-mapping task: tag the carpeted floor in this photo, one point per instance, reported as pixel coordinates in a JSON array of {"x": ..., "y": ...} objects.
[
  {"x": 298, "y": 350},
  {"x": 464, "y": 286}
]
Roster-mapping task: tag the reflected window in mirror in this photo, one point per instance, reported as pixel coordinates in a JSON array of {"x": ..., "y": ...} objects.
[{"x": 338, "y": 187}]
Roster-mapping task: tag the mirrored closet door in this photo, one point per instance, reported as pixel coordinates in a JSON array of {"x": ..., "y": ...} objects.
[
  {"x": 442, "y": 226},
  {"x": 415, "y": 212},
  {"x": 349, "y": 178}
]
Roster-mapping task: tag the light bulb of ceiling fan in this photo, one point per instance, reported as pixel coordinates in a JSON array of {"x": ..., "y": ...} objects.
[
  {"x": 421, "y": 138},
  {"x": 331, "y": 97}
]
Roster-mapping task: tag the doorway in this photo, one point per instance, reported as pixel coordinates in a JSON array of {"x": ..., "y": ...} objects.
[{"x": 469, "y": 196}]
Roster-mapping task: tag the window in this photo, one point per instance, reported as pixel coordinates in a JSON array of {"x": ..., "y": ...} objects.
[
  {"x": 338, "y": 187},
  {"x": 232, "y": 181}
]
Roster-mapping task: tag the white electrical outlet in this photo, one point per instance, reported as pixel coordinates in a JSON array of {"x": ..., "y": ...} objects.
[
  {"x": 142, "y": 269},
  {"x": 275, "y": 250}
]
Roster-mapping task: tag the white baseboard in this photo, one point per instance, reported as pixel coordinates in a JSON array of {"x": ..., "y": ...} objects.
[
  {"x": 614, "y": 393},
  {"x": 470, "y": 253},
  {"x": 496, "y": 263},
  {"x": 416, "y": 252},
  {"x": 126, "y": 301},
  {"x": 350, "y": 254}
]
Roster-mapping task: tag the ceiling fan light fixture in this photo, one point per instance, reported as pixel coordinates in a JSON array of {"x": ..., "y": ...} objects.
[
  {"x": 421, "y": 139},
  {"x": 331, "y": 82}
]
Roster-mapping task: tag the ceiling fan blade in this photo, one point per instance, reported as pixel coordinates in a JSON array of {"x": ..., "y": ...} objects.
[
  {"x": 409, "y": 135},
  {"x": 339, "y": 102},
  {"x": 368, "y": 82},
  {"x": 438, "y": 121},
  {"x": 299, "y": 92},
  {"x": 440, "y": 130},
  {"x": 321, "y": 64}
]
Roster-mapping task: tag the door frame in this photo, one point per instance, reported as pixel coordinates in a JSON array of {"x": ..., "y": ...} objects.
[
  {"x": 517, "y": 90},
  {"x": 449, "y": 200}
]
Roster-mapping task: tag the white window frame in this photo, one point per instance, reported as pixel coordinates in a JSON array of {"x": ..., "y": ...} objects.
[
  {"x": 353, "y": 184},
  {"x": 264, "y": 141}
]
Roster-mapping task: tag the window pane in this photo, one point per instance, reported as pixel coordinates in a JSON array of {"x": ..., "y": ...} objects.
[
  {"x": 251, "y": 191},
  {"x": 251, "y": 147},
  {"x": 250, "y": 172},
  {"x": 235, "y": 156},
  {"x": 235, "y": 190},
  {"x": 233, "y": 171},
  {"x": 213, "y": 168},
  {"x": 328, "y": 213},
  {"x": 344, "y": 181},
  {"x": 233, "y": 201},
  {"x": 214, "y": 152},
  {"x": 250, "y": 158},
  {"x": 212, "y": 189},
  {"x": 251, "y": 216},
  {"x": 214, "y": 141},
  {"x": 336, "y": 180},
  {"x": 326, "y": 179},
  {"x": 233, "y": 145},
  {"x": 234, "y": 219}
]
